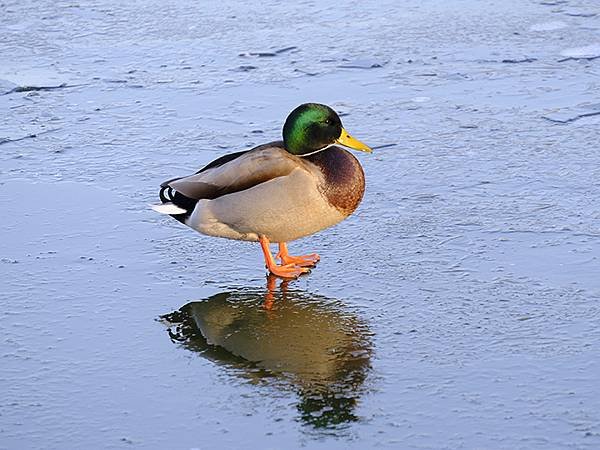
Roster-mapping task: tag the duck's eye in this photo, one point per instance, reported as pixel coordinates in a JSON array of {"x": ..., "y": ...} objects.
[{"x": 329, "y": 121}]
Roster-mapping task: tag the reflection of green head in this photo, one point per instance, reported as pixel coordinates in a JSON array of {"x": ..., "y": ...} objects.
[
  {"x": 312, "y": 343},
  {"x": 325, "y": 408}
]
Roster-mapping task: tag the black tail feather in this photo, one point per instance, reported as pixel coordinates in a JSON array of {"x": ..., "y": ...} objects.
[{"x": 169, "y": 195}]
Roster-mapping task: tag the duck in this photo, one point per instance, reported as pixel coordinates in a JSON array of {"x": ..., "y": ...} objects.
[{"x": 277, "y": 192}]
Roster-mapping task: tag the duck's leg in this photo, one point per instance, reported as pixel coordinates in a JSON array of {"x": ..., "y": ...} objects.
[
  {"x": 302, "y": 260},
  {"x": 284, "y": 270}
]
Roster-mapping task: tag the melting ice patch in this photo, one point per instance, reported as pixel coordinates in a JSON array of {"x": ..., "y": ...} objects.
[
  {"x": 548, "y": 26},
  {"x": 420, "y": 99},
  {"x": 586, "y": 52}
]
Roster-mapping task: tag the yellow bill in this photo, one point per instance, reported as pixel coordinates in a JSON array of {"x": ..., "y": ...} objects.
[{"x": 348, "y": 141}]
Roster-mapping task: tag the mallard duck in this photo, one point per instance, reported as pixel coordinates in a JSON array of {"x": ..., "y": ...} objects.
[{"x": 276, "y": 192}]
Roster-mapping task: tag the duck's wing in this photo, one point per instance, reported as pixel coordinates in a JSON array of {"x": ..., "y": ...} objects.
[
  {"x": 228, "y": 174},
  {"x": 236, "y": 172}
]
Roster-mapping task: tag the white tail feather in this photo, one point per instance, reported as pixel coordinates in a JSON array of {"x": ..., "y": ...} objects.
[{"x": 168, "y": 208}]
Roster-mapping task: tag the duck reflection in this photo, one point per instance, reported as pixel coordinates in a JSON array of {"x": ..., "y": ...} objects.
[{"x": 309, "y": 342}]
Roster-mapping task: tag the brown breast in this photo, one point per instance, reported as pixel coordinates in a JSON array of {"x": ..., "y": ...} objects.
[{"x": 344, "y": 183}]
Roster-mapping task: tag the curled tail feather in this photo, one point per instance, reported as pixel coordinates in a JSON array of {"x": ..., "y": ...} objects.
[{"x": 174, "y": 203}]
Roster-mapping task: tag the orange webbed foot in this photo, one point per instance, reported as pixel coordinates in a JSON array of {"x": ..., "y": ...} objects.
[
  {"x": 301, "y": 260},
  {"x": 289, "y": 270},
  {"x": 310, "y": 260}
]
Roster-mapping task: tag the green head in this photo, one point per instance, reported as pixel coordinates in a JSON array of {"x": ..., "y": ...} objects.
[{"x": 312, "y": 127}]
